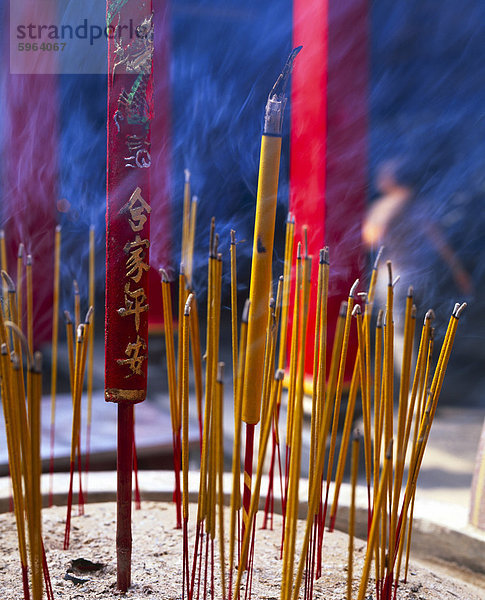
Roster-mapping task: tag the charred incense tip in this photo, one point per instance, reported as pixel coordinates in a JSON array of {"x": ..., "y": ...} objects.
[
  {"x": 28, "y": 260},
  {"x": 2, "y": 234},
  {"x": 75, "y": 287},
  {"x": 9, "y": 281},
  {"x": 289, "y": 218},
  {"x": 431, "y": 333},
  {"x": 298, "y": 251},
  {"x": 182, "y": 269},
  {"x": 220, "y": 372},
  {"x": 272, "y": 302},
  {"x": 323, "y": 254},
  {"x": 195, "y": 199},
  {"x": 343, "y": 308},
  {"x": 58, "y": 228},
  {"x": 389, "y": 449},
  {"x": 164, "y": 275},
  {"x": 186, "y": 175},
  {"x": 280, "y": 85},
  {"x": 396, "y": 280},
  {"x": 279, "y": 375},
  {"x": 429, "y": 316},
  {"x": 356, "y": 435},
  {"x": 188, "y": 305},
  {"x": 362, "y": 295},
  {"x": 233, "y": 237},
  {"x": 389, "y": 272},
  {"x": 91, "y": 227},
  {"x": 245, "y": 312},
  {"x": 14, "y": 359},
  {"x": 211, "y": 237},
  {"x": 410, "y": 291},
  {"x": 357, "y": 310},
  {"x": 455, "y": 308},
  {"x": 20, "y": 253},
  {"x": 81, "y": 330},
  {"x": 353, "y": 288},
  {"x": 281, "y": 278},
  {"x": 380, "y": 317},
  {"x": 89, "y": 315},
  {"x": 37, "y": 367},
  {"x": 216, "y": 244},
  {"x": 67, "y": 317},
  {"x": 378, "y": 258},
  {"x": 3, "y": 349},
  {"x": 460, "y": 309},
  {"x": 414, "y": 310}
]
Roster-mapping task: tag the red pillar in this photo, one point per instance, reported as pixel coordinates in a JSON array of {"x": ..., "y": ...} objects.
[{"x": 328, "y": 163}]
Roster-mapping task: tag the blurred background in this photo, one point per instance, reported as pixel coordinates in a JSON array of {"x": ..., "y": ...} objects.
[{"x": 384, "y": 143}]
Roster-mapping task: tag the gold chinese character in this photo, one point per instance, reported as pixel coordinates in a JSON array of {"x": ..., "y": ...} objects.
[
  {"x": 137, "y": 207},
  {"x": 134, "y": 306},
  {"x": 134, "y": 360},
  {"x": 135, "y": 267}
]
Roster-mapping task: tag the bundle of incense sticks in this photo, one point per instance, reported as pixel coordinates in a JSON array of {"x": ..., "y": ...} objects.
[
  {"x": 389, "y": 448},
  {"x": 21, "y": 389}
]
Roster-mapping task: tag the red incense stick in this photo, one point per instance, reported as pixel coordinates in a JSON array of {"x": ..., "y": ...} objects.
[{"x": 130, "y": 54}]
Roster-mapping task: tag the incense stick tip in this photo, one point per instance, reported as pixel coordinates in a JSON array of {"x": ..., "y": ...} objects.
[
  {"x": 20, "y": 252},
  {"x": 163, "y": 275},
  {"x": 220, "y": 372},
  {"x": 245, "y": 312},
  {"x": 410, "y": 291},
  {"x": 324, "y": 256},
  {"x": 378, "y": 258},
  {"x": 75, "y": 286},
  {"x": 2, "y": 234},
  {"x": 343, "y": 308},
  {"x": 188, "y": 305},
  {"x": 353, "y": 288},
  {"x": 67, "y": 317},
  {"x": 396, "y": 280},
  {"x": 186, "y": 175},
  {"x": 9, "y": 281},
  {"x": 389, "y": 272},
  {"x": 279, "y": 375},
  {"x": 414, "y": 311},
  {"x": 429, "y": 316},
  {"x": 28, "y": 260},
  {"x": 380, "y": 317},
  {"x": 3, "y": 349},
  {"x": 356, "y": 435},
  {"x": 460, "y": 309},
  {"x": 58, "y": 228},
  {"x": 298, "y": 251},
  {"x": 357, "y": 310},
  {"x": 233, "y": 236},
  {"x": 37, "y": 366},
  {"x": 89, "y": 315}
]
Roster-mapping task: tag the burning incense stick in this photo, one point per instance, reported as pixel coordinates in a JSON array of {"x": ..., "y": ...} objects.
[
  {"x": 261, "y": 261},
  {"x": 55, "y": 336},
  {"x": 172, "y": 388}
]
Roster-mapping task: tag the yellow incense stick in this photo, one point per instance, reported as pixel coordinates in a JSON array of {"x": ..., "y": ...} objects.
[
  {"x": 289, "y": 240},
  {"x": 257, "y": 484},
  {"x": 353, "y": 485},
  {"x": 55, "y": 328},
  {"x": 20, "y": 266},
  {"x": 236, "y": 451},
  {"x": 379, "y": 502}
]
